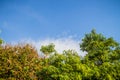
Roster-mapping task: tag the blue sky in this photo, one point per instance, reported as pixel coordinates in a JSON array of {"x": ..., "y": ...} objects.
[{"x": 39, "y": 19}]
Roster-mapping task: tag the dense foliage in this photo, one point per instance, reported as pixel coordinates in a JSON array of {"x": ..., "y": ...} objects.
[{"x": 102, "y": 61}]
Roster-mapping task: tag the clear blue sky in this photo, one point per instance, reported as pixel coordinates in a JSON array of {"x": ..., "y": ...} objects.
[{"x": 37, "y": 19}]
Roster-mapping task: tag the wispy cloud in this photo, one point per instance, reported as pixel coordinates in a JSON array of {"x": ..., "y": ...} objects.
[{"x": 61, "y": 44}]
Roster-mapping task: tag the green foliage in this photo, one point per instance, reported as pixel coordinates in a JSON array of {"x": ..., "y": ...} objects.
[
  {"x": 48, "y": 49},
  {"x": 18, "y": 62},
  {"x": 1, "y": 41},
  {"x": 102, "y": 61},
  {"x": 98, "y": 47},
  {"x": 61, "y": 66},
  {"x": 103, "y": 55}
]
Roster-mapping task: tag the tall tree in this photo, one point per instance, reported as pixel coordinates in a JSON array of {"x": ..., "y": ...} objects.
[
  {"x": 98, "y": 47},
  {"x": 103, "y": 56}
]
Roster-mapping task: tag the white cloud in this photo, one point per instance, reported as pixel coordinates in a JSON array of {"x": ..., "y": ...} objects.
[{"x": 61, "y": 44}]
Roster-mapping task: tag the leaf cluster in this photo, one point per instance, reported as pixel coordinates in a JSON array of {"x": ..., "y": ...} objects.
[{"x": 102, "y": 61}]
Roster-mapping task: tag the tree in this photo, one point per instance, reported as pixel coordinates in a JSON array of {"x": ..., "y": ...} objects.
[
  {"x": 19, "y": 62},
  {"x": 1, "y": 41},
  {"x": 47, "y": 49},
  {"x": 98, "y": 47},
  {"x": 102, "y": 61},
  {"x": 65, "y": 66},
  {"x": 61, "y": 67},
  {"x": 103, "y": 56}
]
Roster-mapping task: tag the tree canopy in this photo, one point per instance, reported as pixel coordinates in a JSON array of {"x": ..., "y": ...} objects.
[{"x": 102, "y": 61}]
